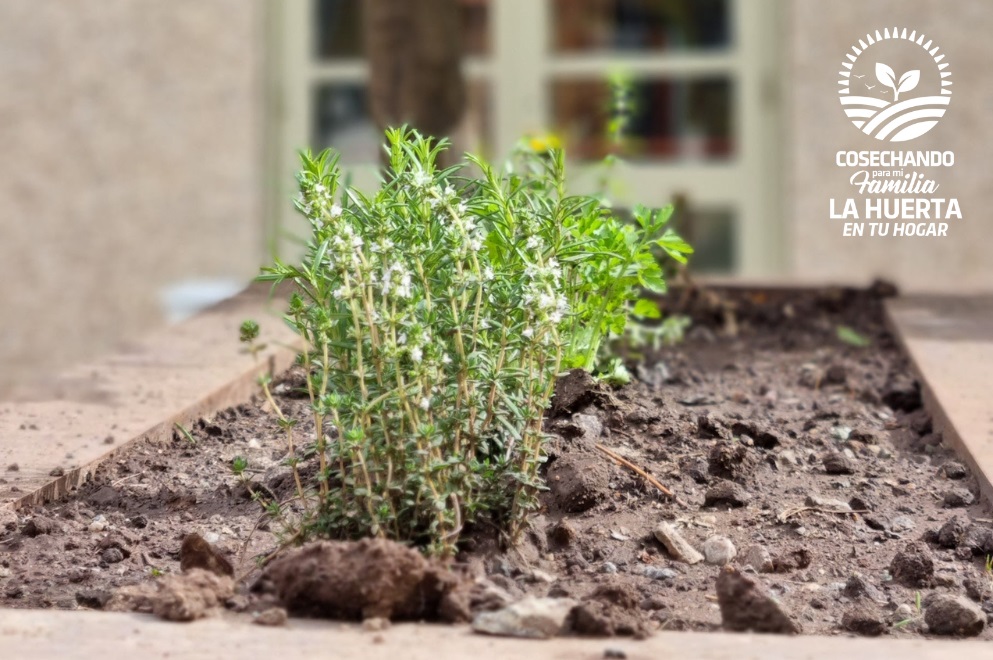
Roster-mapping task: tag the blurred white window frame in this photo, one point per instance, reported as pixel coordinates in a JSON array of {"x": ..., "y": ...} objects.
[{"x": 519, "y": 69}]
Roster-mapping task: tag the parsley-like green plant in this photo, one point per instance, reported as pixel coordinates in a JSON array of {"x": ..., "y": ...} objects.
[
  {"x": 606, "y": 262},
  {"x": 437, "y": 314}
]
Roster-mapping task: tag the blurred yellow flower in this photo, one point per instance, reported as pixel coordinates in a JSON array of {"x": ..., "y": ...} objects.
[{"x": 544, "y": 141}]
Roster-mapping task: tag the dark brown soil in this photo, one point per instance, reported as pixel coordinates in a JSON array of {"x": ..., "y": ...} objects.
[{"x": 811, "y": 461}]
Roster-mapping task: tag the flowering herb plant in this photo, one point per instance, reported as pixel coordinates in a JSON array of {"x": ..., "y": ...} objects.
[{"x": 437, "y": 314}]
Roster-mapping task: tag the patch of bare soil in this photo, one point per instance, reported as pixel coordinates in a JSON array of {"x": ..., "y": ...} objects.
[{"x": 812, "y": 494}]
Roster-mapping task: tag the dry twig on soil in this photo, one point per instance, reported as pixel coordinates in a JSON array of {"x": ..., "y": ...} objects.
[{"x": 637, "y": 470}]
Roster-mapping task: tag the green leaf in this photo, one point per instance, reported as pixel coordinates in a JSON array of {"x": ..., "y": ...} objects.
[
  {"x": 851, "y": 337},
  {"x": 653, "y": 281},
  {"x": 646, "y": 309},
  {"x": 617, "y": 374}
]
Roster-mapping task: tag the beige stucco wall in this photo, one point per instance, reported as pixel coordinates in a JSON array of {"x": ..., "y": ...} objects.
[
  {"x": 820, "y": 33},
  {"x": 130, "y": 155}
]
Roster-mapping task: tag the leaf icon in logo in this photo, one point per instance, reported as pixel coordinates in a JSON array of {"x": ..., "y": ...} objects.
[
  {"x": 887, "y": 76},
  {"x": 908, "y": 81}
]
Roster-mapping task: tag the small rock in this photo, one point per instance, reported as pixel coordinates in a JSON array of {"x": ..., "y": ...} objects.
[
  {"x": 953, "y": 470},
  {"x": 903, "y": 394},
  {"x": 952, "y": 533},
  {"x": 563, "y": 533},
  {"x": 836, "y": 374},
  {"x": 659, "y": 573},
  {"x": 902, "y": 524},
  {"x": 589, "y": 426},
  {"x": 730, "y": 460},
  {"x": 746, "y": 606},
  {"x": 861, "y": 503},
  {"x": 762, "y": 436},
  {"x": 99, "y": 523},
  {"x": 197, "y": 553},
  {"x": 858, "y": 587},
  {"x": 877, "y": 521},
  {"x": 841, "y": 432},
  {"x": 94, "y": 599},
  {"x": 977, "y": 590},
  {"x": 958, "y": 497},
  {"x": 954, "y": 615},
  {"x": 978, "y": 540},
  {"x": 837, "y": 463},
  {"x": 255, "y": 444},
  {"x": 719, "y": 550},
  {"x": 903, "y": 612},
  {"x": 139, "y": 522},
  {"x": 38, "y": 526},
  {"x": 608, "y": 567},
  {"x": 827, "y": 503},
  {"x": 728, "y": 493},
  {"x": 863, "y": 620},
  {"x": 274, "y": 616},
  {"x": 112, "y": 556},
  {"x": 758, "y": 557},
  {"x": 913, "y": 566},
  {"x": 612, "y": 652},
  {"x": 537, "y": 618},
  {"x": 678, "y": 547}
]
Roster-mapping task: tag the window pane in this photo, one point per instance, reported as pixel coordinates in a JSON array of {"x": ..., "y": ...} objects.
[
  {"x": 668, "y": 119},
  {"x": 656, "y": 25},
  {"x": 338, "y": 28},
  {"x": 342, "y": 121}
]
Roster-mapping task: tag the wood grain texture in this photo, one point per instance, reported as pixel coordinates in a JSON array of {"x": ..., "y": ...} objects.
[{"x": 78, "y": 419}]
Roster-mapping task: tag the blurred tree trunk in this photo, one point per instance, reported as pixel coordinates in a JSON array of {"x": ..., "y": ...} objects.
[{"x": 413, "y": 48}]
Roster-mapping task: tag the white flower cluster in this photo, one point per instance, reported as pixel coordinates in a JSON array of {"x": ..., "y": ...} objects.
[
  {"x": 317, "y": 199},
  {"x": 394, "y": 281}
]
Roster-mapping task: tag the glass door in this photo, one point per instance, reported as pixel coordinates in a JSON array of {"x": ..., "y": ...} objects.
[{"x": 704, "y": 125}]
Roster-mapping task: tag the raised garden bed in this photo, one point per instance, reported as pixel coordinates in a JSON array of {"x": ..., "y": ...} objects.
[{"x": 747, "y": 422}]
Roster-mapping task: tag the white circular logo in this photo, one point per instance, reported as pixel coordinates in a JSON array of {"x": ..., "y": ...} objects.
[{"x": 895, "y": 86}]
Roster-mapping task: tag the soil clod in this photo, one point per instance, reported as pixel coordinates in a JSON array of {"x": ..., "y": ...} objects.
[
  {"x": 913, "y": 566},
  {"x": 727, "y": 493},
  {"x": 863, "y": 620},
  {"x": 196, "y": 553},
  {"x": 746, "y": 606},
  {"x": 355, "y": 580},
  {"x": 954, "y": 615},
  {"x": 578, "y": 482}
]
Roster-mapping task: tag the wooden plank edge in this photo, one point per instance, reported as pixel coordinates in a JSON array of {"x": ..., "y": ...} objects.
[
  {"x": 932, "y": 400},
  {"x": 237, "y": 391},
  {"x": 65, "y": 635}
]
